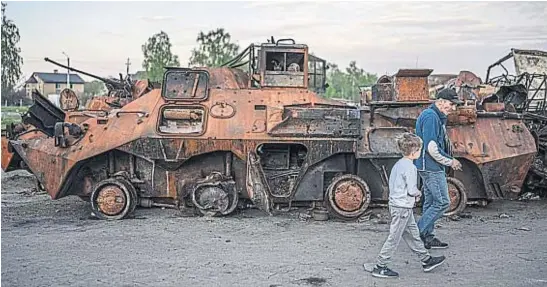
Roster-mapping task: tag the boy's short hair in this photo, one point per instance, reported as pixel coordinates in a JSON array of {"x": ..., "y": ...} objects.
[{"x": 409, "y": 143}]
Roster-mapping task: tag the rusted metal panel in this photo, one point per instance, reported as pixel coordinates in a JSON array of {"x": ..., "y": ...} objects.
[
  {"x": 504, "y": 149},
  {"x": 412, "y": 73},
  {"x": 407, "y": 85},
  {"x": 318, "y": 122},
  {"x": 280, "y": 80},
  {"x": 412, "y": 85},
  {"x": 412, "y": 89},
  {"x": 382, "y": 92},
  {"x": 494, "y": 107},
  {"x": 463, "y": 116},
  {"x": 6, "y": 155}
]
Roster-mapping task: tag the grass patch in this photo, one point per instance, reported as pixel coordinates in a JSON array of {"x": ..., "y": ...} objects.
[
  {"x": 11, "y": 114},
  {"x": 14, "y": 109},
  {"x": 9, "y": 120}
]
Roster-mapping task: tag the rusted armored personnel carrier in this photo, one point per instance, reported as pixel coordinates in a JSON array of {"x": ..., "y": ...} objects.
[
  {"x": 494, "y": 146},
  {"x": 214, "y": 139}
]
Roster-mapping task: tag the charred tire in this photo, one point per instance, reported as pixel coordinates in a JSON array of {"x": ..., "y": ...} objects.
[
  {"x": 457, "y": 195},
  {"x": 113, "y": 199},
  {"x": 347, "y": 197},
  {"x": 216, "y": 200}
]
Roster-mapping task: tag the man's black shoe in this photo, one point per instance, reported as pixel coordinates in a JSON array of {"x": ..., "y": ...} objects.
[
  {"x": 436, "y": 244},
  {"x": 432, "y": 263},
  {"x": 384, "y": 272}
]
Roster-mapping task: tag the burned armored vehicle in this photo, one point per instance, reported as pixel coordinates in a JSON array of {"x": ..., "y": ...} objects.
[
  {"x": 495, "y": 147},
  {"x": 215, "y": 139},
  {"x": 119, "y": 93},
  {"x": 524, "y": 90}
]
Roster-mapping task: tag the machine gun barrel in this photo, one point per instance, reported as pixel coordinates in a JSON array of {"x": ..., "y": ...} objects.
[{"x": 113, "y": 83}]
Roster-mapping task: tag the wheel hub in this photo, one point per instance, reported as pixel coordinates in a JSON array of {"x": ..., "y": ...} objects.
[
  {"x": 111, "y": 200},
  {"x": 348, "y": 195},
  {"x": 213, "y": 198}
]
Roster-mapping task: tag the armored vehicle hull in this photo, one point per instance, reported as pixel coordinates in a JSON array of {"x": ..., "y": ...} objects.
[{"x": 216, "y": 139}]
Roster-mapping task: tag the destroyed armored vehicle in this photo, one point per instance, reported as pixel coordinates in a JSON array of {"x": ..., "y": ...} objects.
[
  {"x": 119, "y": 93},
  {"x": 525, "y": 92},
  {"x": 495, "y": 148},
  {"x": 216, "y": 139}
]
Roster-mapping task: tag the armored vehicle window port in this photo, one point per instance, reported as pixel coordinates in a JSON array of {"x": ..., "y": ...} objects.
[{"x": 282, "y": 64}]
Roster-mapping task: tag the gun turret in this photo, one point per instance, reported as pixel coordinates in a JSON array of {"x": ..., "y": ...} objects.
[{"x": 121, "y": 88}]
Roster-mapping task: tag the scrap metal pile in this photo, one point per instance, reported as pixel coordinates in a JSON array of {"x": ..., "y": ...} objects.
[
  {"x": 519, "y": 88},
  {"x": 526, "y": 92},
  {"x": 219, "y": 139}
]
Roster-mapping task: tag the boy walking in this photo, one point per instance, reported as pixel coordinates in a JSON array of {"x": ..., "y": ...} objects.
[{"x": 403, "y": 193}]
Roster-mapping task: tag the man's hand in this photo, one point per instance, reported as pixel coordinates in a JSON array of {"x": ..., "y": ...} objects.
[{"x": 456, "y": 165}]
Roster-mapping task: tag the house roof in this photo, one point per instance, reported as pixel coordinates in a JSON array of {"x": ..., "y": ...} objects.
[
  {"x": 55, "y": 78},
  {"x": 31, "y": 80}
]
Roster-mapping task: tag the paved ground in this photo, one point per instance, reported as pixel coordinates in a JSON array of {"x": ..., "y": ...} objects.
[{"x": 56, "y": 243}]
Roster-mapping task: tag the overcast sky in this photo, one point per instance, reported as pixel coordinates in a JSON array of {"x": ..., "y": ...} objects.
[{"x": 381, "y": 37}]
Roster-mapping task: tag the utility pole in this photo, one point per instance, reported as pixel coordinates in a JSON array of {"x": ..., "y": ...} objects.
[
  {"x": 127, "y": 64},
  {"x": 67, "y": 71}
]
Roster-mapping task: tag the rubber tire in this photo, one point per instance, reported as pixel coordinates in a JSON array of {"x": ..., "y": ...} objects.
[
  {"x": 463, "y": 196},
  {"x": 133, "y": 192},
  {"x": 128, "y": 191}
]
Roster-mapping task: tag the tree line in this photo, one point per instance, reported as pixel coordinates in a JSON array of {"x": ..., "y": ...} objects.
[{"x": 214, "y": 48}]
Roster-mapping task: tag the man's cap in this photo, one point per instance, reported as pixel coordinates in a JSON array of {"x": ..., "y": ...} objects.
[{"x": 449, "y": 94}]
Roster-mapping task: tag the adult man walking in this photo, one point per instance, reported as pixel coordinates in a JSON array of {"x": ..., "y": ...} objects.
[{"x": 435, "y": 157}]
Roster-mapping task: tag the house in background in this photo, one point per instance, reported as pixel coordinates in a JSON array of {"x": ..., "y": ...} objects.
[{"x": 53, "y": 83}]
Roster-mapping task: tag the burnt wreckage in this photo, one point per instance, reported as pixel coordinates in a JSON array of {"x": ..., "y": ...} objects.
[
  {"x": 216, "y": 139},
  {"x": 525, "y": 92}
]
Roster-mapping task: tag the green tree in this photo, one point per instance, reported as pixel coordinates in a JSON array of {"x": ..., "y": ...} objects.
[
  {"x": 214, "y": 49},
  {"x": 358, "y": 77},
  {"x": 94, "y": 88},
  {"x": 11, "y": 60},
  {"x": 345, "y": 84},
  {"x": 158, "y": 55},
  {"x": 91, "y": 89}
]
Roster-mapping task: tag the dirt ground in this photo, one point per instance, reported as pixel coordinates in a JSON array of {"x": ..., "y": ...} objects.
[{"x": 57, "y": 243}]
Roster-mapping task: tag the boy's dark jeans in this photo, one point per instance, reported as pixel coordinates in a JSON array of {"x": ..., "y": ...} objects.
[{"x": 435, "y": 202}]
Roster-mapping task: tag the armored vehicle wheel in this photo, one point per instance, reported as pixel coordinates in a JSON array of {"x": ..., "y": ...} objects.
[
  {"x": 133, "y": 192},
  {"x": 211, "y": 200},
  {"x": 113, "y": 199},
  {"x": 347, "y": 197},
  {"x": 458, "y": 197}
]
